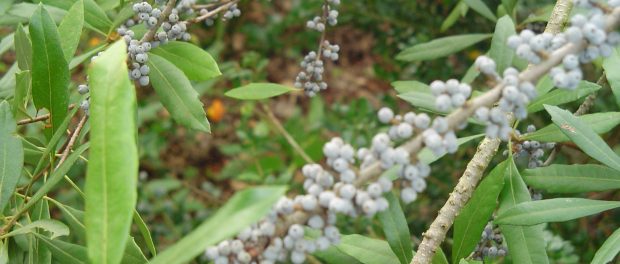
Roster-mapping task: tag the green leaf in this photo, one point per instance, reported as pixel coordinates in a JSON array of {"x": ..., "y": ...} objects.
[
  {"x": 4, "y": 252},
  {"x": 424, "y": 100},
  {"x": 499, "y": 51},
  {"x": 144, "y": 231},
  {"x": 599, "y": 122},
  {"x": 7, "y": 43},
  {"x": 11, "y": 155},
  {"x": 509, "y": 5},
  {"x": 68, "y": 253},
  {"x": 402, "y": 87},
  {"x": 57, "y": 228},
  {"x": 244, "y": 208},
  {"x": 481, "y": 8},
  {"x": 454, "y": 15},
  {"x": 23, "y": 49},
  {"x": 64, "y": 252},
  {"x": 22, "y": 93},
  {"x": 611, "y": 65},
  {"x": 73, "y": 218},
  {"x": 470, "y": 223},
  {"x": 86, "y": 56},
  {"x": 440, "y": 47},
  {"x": 562, "y": 96},
  {"x": 578, "y": 178},
  {"x": 50, "y": 72},
  {"x": 333, "y": 255},
  {"x": 525, "y": 243},
  {"x": 177, "y": 94},
  {"x": 94, "y": 16},
  {"x": 544, "y": 85},
  {"x": 553, "y": 210},
  {"x": 583, "y": 136},
  {"x": 40, "y": 211},
  {"x": 196, "y": 63},
  {"x": 367, "y": 250},
  {"x": 133, "y": 254},
  {"x": 51, "y": 144},
  {"x": 427, "y": 156},
  {"x": 70, "y": 29},
  {"x": 608, "y": 250},
  {"x": 7, "y": 83},
  {"x": 112, "y": 171},
  {"x": 56, "y": 176},
  {"x": 396, "y": 230},
  {"x": 439, "y": 257},
  {"x": 108, "y": 4},
  {"x": 257, "y": 91}
]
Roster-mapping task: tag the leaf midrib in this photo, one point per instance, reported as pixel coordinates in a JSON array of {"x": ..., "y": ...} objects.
[{"x": 177, "y": 96}]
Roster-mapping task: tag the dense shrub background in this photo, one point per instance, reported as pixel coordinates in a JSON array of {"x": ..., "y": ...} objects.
[{"x": 185, "y": 175}]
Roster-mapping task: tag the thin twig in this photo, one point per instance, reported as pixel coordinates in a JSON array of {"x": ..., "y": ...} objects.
[
  {"x": 72, "y": 140},
  {"x": 164, "y": 14},
  {"x": 38, "y": 118},
  {"x": 212, "y": 13},
  {"x": 286, "y": 135}
]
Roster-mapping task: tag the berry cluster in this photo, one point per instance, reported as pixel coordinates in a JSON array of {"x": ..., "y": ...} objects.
[
  {"x": 516, "y": 94},
  {"x": 84, "y": 105},
  {"x": 310, "y": 78},
  {"x": 172, "y": 28},
  {"x": 331, "y": 191},
  {"x": 330, "y": 51},
  {"x": 233, "y": 11},
  {"x": 491, "y": 244},
  {"x": 450, "y": 94},
  {"x": 147, "y": 14},
  {"x": 534, "y": 150}
]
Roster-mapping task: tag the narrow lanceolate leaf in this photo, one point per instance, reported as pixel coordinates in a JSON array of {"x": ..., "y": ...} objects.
[
  {"x": 612, "y": 72},
  {"x": 64, "y": 252},
  {"x": 410, "y": 86},
  {"x": 50, "y": 72},
  {"x": 68, "y": 253},
  {"x": 11, "y": 155},
  {"x": 599, "y": 122},
  {"x": 196, "y": 63},
  {"x": 22, "y": 93},
  {"x": 243, "y": 209},
  {"x": 578, "y": 178},
  {"x": 177, "y": 94},
  {"x": 470, "y": 223},
  {"x": 113, "y": 162},
  {"x": 257, "y": 91},
  {"x": 55, "y": 228},
  {"x": 56, "y": 176},
  {"x": 440, "y": 47},
  {"x": 70, "y": 29},
  {"x": 608, "y": 250},
  {"x": 367, "y": 250},
  {"x": 481, "y": 8},
  {"x": 23, "y": 49},
  {"x": 333, "y": 255},
  {"x": 553, "y": 210},
  {"x": 525, "y": 243},
  {"x": 144, "y": 231},
  {"x": 424, "y": 100},
  {"x": 499, "y": 51},
  {"x": 94, "y": 16},
  {"x": 582, "y": 135},
  {"x": 396, "y": 230},
  {"x": 562, "y": 96}
]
